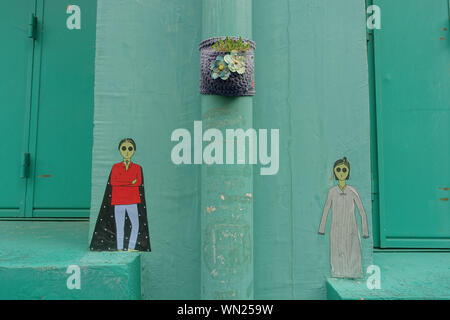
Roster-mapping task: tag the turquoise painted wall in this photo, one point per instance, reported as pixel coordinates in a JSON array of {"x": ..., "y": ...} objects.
[
  {"x": 312, "y": 84},
  {"x": 146, "y": 86}
]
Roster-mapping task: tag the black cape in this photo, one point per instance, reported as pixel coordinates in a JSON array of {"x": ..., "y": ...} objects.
[{"x": 104, "y": 237}]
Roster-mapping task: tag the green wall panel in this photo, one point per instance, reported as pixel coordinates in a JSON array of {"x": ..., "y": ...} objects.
[
  {"x": 146, "y": 86},
  {"x": 312, "y": 84}
]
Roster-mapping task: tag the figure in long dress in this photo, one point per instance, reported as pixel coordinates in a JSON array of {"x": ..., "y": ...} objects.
[{"x": 345, "y": 244}]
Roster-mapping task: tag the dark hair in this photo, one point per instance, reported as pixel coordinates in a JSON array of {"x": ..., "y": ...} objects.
[
  {"x": 127, "y": 140},
  {"x": 345, "y": 162}
]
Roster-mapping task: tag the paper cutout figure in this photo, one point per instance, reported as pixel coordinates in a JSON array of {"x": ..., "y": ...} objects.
[
  {"x": 345, "y": 244},
  {"x": 122, "y": 221}
]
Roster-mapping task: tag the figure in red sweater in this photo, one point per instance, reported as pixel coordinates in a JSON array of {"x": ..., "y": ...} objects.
[{"x": 122, "y": 221}]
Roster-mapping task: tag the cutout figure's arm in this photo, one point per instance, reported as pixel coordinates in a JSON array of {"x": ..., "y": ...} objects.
[
  {"x": 138, "y": 178},
  {"x": 362, "y": 213},
  {"x": 116, "y": 181},
  {"x": 326, "y": 210}
]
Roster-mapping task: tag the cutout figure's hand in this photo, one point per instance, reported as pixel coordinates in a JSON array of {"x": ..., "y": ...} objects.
[{"x": 134, "y": 181}]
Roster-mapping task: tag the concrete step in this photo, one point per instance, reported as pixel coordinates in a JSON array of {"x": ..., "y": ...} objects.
[
  {"x": 419, "y": 275},
  {"x": 48, "y": 259}
]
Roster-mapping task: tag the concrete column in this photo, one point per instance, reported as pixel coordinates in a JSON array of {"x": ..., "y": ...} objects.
[{"x": 227, "y": 190}]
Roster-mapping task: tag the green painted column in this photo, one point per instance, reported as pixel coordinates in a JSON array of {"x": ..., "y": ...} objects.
[{"x": 227, "y": 189}]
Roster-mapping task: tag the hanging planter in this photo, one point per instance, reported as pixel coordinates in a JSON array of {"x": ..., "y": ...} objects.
[{"x": 227, "y": 67}]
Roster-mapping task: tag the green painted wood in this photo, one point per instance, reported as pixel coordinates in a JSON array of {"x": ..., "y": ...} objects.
[
  {"x": 412, "y": 57},
  {"x": 48, "y": 104},
  {"x": 16, "y": 67},
  {"x": 62, "y": 118}
]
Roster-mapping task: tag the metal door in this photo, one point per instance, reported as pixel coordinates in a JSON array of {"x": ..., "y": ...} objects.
[
  {"x": 53, "y": 121},
  {"x": 412, "y": 72}
]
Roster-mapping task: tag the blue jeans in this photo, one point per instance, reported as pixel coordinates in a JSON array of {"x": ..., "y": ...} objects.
[{"x": 119, "y": 214}]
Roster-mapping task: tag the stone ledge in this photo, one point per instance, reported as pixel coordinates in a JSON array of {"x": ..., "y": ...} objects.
[
  {"x": 35, "y": 255},
  {"x": 404, "y": 276}
]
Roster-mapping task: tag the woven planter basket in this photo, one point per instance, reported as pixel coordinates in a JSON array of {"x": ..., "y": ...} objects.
[{"x": 237, "y": 85}]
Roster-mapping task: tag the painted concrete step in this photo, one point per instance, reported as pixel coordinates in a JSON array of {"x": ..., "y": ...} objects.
[
  {"x": 51, "y": 260},
  {"x": 404, "y": 275}
]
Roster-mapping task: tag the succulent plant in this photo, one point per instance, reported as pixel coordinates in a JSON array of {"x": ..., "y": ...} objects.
[{"x": 230, "y": 44}]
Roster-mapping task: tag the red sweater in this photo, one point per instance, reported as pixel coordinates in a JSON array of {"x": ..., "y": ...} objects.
[{"x": 123, "y": 192}]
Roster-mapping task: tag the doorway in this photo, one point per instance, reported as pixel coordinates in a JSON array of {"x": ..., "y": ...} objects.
[
  {"x": 412, "y": 81},
  {"x": 47, "y": 103}
]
